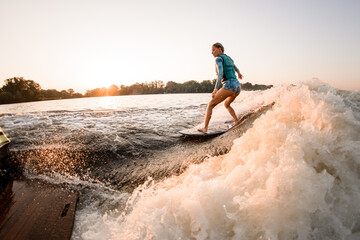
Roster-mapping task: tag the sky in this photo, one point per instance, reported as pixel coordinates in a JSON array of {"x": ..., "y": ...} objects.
[{"x": 85, "y": 44}]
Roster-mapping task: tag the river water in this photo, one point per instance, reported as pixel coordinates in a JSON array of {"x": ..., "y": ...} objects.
[{"x": 294, "y": 175}]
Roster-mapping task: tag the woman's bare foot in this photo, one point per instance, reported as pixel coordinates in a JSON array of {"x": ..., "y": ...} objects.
[{"x": 204, "y": 130}]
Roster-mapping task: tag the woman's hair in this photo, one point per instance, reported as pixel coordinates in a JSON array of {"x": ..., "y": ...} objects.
[{"x": 219, "y": 45}]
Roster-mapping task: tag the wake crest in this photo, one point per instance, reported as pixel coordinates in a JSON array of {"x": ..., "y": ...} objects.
[{"x": 294, "y": 175}]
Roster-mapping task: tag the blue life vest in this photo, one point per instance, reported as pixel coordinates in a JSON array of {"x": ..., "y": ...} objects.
[{"x": 228, "y": 65}]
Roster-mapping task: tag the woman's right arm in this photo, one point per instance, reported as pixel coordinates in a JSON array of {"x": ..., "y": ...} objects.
[{"x": 220, "y": 75}]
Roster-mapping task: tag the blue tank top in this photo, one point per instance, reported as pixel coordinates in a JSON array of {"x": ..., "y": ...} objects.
[
  {"x": 226, "y": 69},
  {"x": 228, "y": 65}
]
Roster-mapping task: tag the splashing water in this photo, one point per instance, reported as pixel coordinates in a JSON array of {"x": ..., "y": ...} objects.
[{"x": 294, "y": 175}]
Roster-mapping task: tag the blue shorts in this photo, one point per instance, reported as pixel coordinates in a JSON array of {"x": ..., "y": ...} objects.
[{"x": 232, "y": 85}]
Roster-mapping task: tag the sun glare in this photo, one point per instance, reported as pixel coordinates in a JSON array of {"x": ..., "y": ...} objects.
[
  {"x": 106, "y": 69},
  {"x": 98, "y": 73}
]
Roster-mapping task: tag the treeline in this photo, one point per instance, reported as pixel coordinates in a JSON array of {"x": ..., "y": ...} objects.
[
  {"x": 156, "y": 87},
  {"x": 249, "y": 87},
  {"x": 18, "y": 89}
]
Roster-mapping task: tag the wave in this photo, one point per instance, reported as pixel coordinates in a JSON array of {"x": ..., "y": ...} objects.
[{"x": 294, "y": 175}]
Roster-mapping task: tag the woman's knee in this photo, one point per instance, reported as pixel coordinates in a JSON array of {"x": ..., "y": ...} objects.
[
  {"x": 212, "y": 104},
  {"x": 227, "y": 104}
]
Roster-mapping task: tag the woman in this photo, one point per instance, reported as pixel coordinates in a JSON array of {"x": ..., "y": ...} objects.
[{"x": 225, "y": 69}]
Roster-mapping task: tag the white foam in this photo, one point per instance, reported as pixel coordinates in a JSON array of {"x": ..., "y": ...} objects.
[{"x": 294, "y": 175}]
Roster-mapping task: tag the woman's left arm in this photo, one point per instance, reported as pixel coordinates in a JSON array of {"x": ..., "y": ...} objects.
[
  {"x": 220, "y": 72},
  {"x": 238, "y": 72}
]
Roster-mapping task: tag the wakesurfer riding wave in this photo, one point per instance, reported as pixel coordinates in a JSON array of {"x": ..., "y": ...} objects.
[{"x": 231, "y": 88}]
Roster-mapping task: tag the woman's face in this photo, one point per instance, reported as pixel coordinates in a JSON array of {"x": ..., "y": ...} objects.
[{"x": 215, "y": 51}]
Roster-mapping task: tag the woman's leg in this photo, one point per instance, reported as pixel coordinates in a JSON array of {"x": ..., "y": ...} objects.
[
  {"x": 220, "y": 96},
  {"x": 227, "y": 103}
]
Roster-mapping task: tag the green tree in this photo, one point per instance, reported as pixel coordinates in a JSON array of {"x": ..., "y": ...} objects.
[
  {"x": 97, "y": 92},
  {"x": 124, "y": 90},
  {"x": 21, "y": 90},
  {"x": 50, "y": 94},
  {"x": 172, "y": 87},
  {"x": 6, "y": 97},
  {"x": 65, "y": 94},
  {"x": 191, "y": 86},
  {"x": 70, "y": 91},
  {"x": 206, "y": 86}
]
